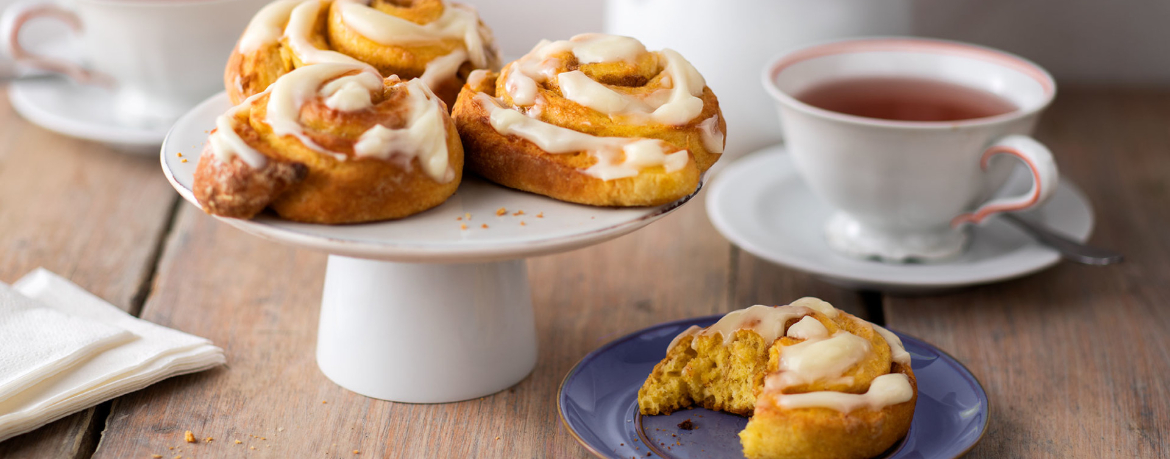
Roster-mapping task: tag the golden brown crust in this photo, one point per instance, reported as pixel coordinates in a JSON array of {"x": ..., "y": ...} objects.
[
  {"x": 823, "y": 433},
  {"x": 252, "y": 73},
  {"x": 303, "y": 184},
  {"x": 520, "y": 164}
]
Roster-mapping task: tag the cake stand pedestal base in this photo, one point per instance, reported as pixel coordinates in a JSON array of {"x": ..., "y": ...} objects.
[{"x": 426, "y": 333}]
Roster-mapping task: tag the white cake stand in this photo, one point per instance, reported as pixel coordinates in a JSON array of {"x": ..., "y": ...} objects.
[{"x": 422, "y": 310}]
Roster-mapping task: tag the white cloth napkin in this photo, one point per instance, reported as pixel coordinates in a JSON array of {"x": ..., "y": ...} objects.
[{"x": 148, "y": 353}]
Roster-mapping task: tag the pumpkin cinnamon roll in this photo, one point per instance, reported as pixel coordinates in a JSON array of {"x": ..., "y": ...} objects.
[
  {"x": 437, "y": 41},
  {"x": 331, "y": 143},
  {"x": 596, "y": 119},
  {"x": 818, "y": 382}
]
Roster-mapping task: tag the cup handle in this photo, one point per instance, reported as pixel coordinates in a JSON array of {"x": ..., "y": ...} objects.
[
  {"x": 1044, "y": 178},
  {"x": 19, "y": 14}
]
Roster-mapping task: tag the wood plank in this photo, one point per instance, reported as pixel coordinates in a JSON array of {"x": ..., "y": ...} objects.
[
  {"x": 260, "y": 302},
  {"x": 1075, "y": 359},
  {"x": 86, "y": 212}
]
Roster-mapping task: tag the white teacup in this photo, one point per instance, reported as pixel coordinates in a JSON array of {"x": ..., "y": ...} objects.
[
  {"x": 905, "y": 190},
  {"x": 162, "y": 57}
]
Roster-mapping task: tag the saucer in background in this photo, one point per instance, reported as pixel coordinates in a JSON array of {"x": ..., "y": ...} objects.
[
  {"x": 762, "y": 205},
  {"x": 81, "y": 111}
]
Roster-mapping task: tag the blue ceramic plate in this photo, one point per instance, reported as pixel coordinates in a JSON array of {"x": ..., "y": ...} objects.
[{"x": 598, "y": 403}]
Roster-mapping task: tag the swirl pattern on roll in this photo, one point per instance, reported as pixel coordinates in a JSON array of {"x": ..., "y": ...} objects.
[
  {"x": 332, "y": 143},
  {"x": 437, "y": 41},
  {"x": 596, "y": 119}
]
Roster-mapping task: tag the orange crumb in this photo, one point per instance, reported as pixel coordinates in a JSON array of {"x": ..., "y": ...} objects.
[
  {"x": 178, "y": 457},
  {"x": 356, "y": 452},
  {"x": 156, "y": 456},
  {"x": 172, "y": 448},
  {"x": 458, "y": 219},
  {"x": 501, "y": 211},
  {"x": 540, "y": 215},
  {"x": 208, "y": 440},
  {"x": 324, "y": 402},
  {"x": 252, "y": 447},
  {"x": 238, "y": 442},
  {"x": 518, "y": 212},
  {"x": 183, "y": 160},
  {"x": 522, "y": 223},
  {"x": 180, "y": 154},
  {"x": 264, "y": 438},
  {"x": 467, "y": 216},
  {"x": 463, "y": 226},
  {"x": 497, "y": 438},
  {"x": 485, "y": 226}
]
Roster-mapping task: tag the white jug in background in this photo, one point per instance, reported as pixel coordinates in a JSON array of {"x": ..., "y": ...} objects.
[{"x": 731, "y": 40}]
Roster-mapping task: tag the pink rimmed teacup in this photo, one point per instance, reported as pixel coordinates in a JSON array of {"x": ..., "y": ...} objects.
[{"x": 904, "y": 190}]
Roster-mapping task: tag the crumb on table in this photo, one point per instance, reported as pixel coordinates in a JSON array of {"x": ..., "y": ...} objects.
[
  {"x": 540, "y": 215},
  {"x": 463, "y": 226},
  {"x": 686, "y": 425},
  {"x": 501, "y": 212},
  {"x": 485, "y": 226},
  {"x": 518, "y": 212},
  {"x": 208, "y": 440},
  {"x": 189, "y": 437}
]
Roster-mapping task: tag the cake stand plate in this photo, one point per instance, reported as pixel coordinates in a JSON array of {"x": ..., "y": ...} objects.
[{"x": 434, "y": 307}]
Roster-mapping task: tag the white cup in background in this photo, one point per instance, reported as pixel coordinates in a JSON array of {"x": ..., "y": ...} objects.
[
  {"x": 905, "y": 190},
  {"x": 729, "y": 41},
  {"x": 161, "y": 57}
]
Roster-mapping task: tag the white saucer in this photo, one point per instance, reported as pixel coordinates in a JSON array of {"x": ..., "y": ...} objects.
[
  {"x": 81, "y": 111},
  {"x": 762, "y": 205},
  {"x": 434, "y": 236}
]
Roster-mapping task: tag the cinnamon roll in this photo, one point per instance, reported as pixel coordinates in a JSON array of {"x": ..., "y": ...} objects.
[
  {"x": 332, "y": 143},
  {"x": 818, "y": 382},
  {"x": 596, "y": 119},
  {"x": 437, "y": 41}
]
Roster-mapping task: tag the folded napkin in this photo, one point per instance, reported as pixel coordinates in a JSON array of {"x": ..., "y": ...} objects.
[{"x": 142, "y": 353}]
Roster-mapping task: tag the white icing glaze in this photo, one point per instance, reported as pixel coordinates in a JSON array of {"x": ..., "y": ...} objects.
[
  {"x": 808, "y": 328},
  {"x": 767, "y": 321},
  {"x": 690, "y": 331},
  {"x": 290, "y": 92},
  {"x": 350, "y": 93},
  {"x": 710, "y": 134},
  {"x": 443, "y": 68},
  {"x": 592, "y": 48},
  {"x": 424, "y": 137},
  {"x": 885, "y": 390},
  {"x": 457, "y": 22},
  {"x": 897, "y": 350},
  {"x": 300, "y": 26},
  {"x": 817, "y": 305},
  {"x": 677, "y": 105},
  {"x": 477, "y": 77},
  {"x": 638, "y": 153},
  {"x": 226, "y": 143},
  {"x": 267, "y": 26},
  {"x": 814, "y": 360}
]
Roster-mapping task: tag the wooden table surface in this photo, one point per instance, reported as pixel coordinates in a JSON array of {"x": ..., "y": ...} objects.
[{"x": 1075, "y": 359}]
